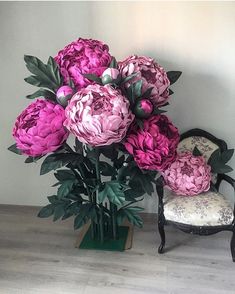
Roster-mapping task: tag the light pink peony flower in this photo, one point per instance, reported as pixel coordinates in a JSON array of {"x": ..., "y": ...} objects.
[
  {"x": 154, "y": 146},
  {"x": 83, "y": 56},
  {"x": 39, "y": 128},
  {"x": 152, "y": 75},
  {"x": 98, "y": 115},
  {"x": 188, "y": 175}
]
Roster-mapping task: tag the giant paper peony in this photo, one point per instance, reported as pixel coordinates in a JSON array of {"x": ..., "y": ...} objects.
[
  {"x": 154, "y": 146},
  {"x": 188, "y": 175},
  {"x": 152, "y": 75},
  {"x": 83, "y": 56},
  {"x": 39, "y": 128},
  {"x": 98, "y": 115}
]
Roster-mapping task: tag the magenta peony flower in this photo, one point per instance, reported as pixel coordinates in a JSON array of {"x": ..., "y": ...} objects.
[
  {"x": 83, "y": 56},
  {"x": 154, "y": 146},
  {"x": 98, "y": 115},
  {"x": 39, "y": 128},
  {"x": 188, "y": 175},
  {"x": 152, "y": 75}
]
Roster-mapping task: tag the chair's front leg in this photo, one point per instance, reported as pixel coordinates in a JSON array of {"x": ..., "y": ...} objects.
[
  {"x": 161, "y": 218},
  {"x": 232, "y": 246}
]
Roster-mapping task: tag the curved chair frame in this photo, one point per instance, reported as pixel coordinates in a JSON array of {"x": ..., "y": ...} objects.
[{"x": 198, "y": 230}]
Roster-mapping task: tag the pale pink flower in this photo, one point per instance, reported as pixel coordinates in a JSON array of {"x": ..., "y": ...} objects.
[
  {"x": 188, "y": 175},
  {"x": 98, "y": 115}
]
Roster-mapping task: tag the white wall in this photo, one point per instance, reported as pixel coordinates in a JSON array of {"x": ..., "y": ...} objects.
[{"x": 194, "y": 37}]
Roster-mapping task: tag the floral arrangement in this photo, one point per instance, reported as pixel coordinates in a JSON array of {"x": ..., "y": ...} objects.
[{"x": 122, "y": 139}]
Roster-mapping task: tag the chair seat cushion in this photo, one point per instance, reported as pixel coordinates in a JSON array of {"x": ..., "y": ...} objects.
[{"x": 206, "y": 209}]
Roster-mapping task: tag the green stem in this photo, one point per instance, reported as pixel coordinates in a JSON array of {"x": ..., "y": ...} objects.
[
  {"x": 98, "y": 177},
  {"x": 113, "y": 209}
]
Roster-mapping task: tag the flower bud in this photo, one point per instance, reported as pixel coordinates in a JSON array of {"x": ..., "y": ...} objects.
[
  {"x": 63, "y": 95},
  {"x": 111, "y": 76},
  {"x": 143, "y": 108}
]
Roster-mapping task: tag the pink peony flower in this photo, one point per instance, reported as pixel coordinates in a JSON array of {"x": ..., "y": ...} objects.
[
  {"x": 98, "y": 115},
  {"x": 152, "y": 75},
  {"x": 39, "y": 128},
  {"x": 83, "y": 56},
  {"x": 188, "y": 175},
  {"x": 154, "y": 146}
]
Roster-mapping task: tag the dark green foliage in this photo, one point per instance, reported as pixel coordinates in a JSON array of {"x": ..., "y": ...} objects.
[
  {"x": 196, "y": 151},
  {"x": 42, "y": 93},
  {"x": 218, "y": 161},
  {"x": 173, "y": 76},
  {"x": 86, "y": 211},
  {"x": 131, "y": 213},
  {"x": 58, "y": 160},
  {"x": 113, "y": 63},
  {"x": 44, "y": 75},
  {"x": 94, "y": 78},
  {"x": 14, "y": 149},
  {"x": 114, "y": 191}
]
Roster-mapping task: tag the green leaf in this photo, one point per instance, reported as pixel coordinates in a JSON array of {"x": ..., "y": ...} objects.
[
  {"x": 46, "y": 211},
  {"x": 78, "y": 146},
  {"x": 170, "y": 92},
  {"x": 157, "y": 111},
  {"x": 65, "y": 174},
  {"x": 147, "y": 93},
  {"x": 196, "y": 151},
  {"x": 144, "y": 180},
  {"x": 106, "y": 169},
  {"x": 14, "y": 149},
  {"x": 118, "y": 163},
  {"x": 52, "y": 199},
  {"x": 113, "y": 63},
  {"x": 65, "y": 188},
  {"x": 45, "y": 75},
  {"x": 131, "y": 213},
  {"x": 54, "y": 70},
  {"x": 31, "y": 159},
  {"x": 140, "y": 123},
  {"x": 173, "y": 76},
  {"x": 94, "y": 78},
  {"x": 57, "y": 160},
  {"x": 137, "y": 88},
  {"x": 114, "y": 191},
  {"x": 59, "y": 211},
  {"x": 222, "y": 169},
  {"x": 42, "y": 93},
  {"x": 227, "y": 155},
  {"x": 109, "y": 151},
  {"x": 130, "y": 77},
  {"x": 84, "y": 214}
]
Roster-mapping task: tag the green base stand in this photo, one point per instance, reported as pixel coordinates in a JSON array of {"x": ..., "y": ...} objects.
[{"x": 123, "y": 242}]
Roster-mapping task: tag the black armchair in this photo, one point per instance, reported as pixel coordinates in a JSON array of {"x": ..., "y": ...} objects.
[{"x": 204, "y": 214}]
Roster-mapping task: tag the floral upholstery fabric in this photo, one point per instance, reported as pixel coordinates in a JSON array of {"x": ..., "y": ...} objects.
[
  {"x": 206, "y": 209},
  {"x": 204, "y": 145}
]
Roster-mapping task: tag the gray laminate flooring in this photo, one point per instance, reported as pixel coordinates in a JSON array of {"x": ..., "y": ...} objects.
[{"x": 38, "y": 256}]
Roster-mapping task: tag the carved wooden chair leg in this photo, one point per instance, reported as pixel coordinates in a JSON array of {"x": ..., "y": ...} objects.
[
  {"x": 232, "y": 246},
  {"x": 163, "y": 238}
]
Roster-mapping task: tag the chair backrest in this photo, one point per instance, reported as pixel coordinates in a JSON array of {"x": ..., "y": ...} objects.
[{"x": 204, "y": 141}]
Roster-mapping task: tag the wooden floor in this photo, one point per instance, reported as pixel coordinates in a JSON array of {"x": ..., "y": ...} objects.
[{"x": 38, "y": 256}]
